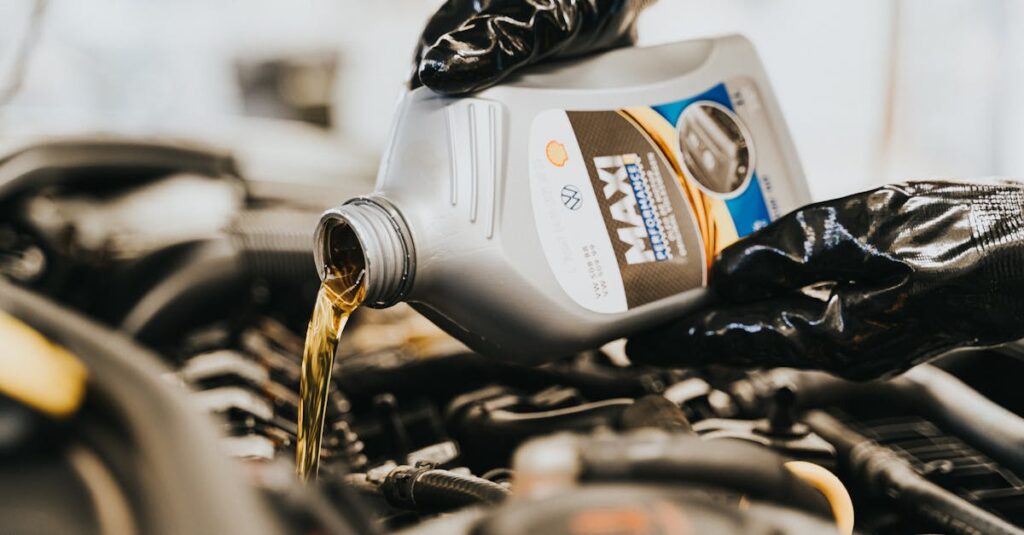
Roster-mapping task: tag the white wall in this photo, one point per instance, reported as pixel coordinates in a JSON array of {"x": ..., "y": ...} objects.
[{"x": 873, "y": 90}]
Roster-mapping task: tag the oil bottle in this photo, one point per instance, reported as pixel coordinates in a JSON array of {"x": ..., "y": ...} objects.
[{"x": 579, "y": 203}]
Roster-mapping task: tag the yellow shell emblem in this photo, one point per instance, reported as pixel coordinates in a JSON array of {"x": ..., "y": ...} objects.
[{"x": 556, "y": 153}]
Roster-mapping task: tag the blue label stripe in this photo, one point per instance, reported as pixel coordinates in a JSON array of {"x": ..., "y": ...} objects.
[
  {"x": 673, "y": 110},
  {"x": 748, "y": 210}
]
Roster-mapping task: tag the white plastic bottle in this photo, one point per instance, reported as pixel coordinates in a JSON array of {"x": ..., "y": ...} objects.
[{"x": 576, "y": 204}]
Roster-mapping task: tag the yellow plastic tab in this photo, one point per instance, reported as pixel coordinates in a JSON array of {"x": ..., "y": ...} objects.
[{"x": 37, "y": 372}]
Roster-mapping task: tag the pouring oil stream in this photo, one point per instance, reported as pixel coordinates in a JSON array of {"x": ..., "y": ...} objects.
[{"x": 341, "y": 292}]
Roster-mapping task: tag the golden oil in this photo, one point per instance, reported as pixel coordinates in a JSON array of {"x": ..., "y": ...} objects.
[{"x": 342, "y": 291}]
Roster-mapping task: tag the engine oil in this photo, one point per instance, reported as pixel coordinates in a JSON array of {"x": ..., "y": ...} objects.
[
  {"x": 576, "y": 204},
  {"x": 341, "y": 292}
]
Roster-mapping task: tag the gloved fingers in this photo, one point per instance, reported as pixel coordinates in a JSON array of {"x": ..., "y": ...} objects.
[
  {"x": 764, "y": 333},
  {"x": 490, "y": 45},
  {"x": 448, "y": 17},
  {"x": 814, "y": 244},
  {"x": 507, "y": 35},
  {"x": 478, "y": 54},
  {"x": 796, "y": 331}
]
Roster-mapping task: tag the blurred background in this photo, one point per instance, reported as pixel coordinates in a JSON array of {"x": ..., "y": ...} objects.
[{"x": 874, "y": 91}]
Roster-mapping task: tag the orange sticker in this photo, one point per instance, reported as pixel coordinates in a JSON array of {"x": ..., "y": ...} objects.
[{"x": 556, "y": 153}]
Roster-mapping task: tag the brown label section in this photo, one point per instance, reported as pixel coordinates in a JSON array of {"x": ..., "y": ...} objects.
[{"x": 653, "y": 233}]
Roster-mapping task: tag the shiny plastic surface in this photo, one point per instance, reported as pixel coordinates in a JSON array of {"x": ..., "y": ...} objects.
[
  {"x": 862, "y": 286},
  {"x": 470, "y": 45}
]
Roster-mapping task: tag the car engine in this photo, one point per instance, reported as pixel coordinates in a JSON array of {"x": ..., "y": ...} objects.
[{"x": 188, "y": 309}]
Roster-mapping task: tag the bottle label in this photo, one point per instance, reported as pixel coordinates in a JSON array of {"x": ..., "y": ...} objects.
[{"x": 632, "y": 204}]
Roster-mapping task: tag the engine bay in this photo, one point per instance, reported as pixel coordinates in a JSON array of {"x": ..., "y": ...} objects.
[{"x": 188, "y": 310}]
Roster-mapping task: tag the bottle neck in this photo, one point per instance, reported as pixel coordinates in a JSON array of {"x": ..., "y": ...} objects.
[{"x": 386, "y": 244}]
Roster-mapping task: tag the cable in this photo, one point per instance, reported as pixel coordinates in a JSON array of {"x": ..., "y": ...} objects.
[
  {"x": 828, "y": 484},
  {"x": 423, "y": 488}
]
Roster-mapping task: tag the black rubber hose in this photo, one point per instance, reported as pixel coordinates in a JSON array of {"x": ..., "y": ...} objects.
[
  {"x": 440, "y": 487},
  {"x": 732, "y": 465},
  {"x": 274, "y": 245},
  {"x": 488, "y": 435},
  {"x": 190, "y": 486},
  {"x": 80, "y": 159},
  {"x": 926, "y": 390},
  {"x": 212, "y": 273},
  {"x": 426, "y": 489},
  {"x": 527, "y": 424},
  {"x": 966, "y": 413},
  {"x": 363, "y": 379},
  {"x": 885, "y": 475}
]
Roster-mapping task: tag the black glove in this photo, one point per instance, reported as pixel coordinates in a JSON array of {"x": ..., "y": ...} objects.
[
  {"x": 469, "y": 45},
  {"x": 862, "y": 286}
]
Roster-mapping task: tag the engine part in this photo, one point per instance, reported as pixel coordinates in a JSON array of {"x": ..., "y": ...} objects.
[
  {"x": 624, "y": 508},
  {"x": 271, "y": 246},
  {"x": 885, "y": 474},
  {"x": 365, "y": 376},
  {"x": 76, "y": 160},
  {"x": 254, "y": 391},
  {"x": 925, "y": 390},
  {"x": 655, "y": 412},
  {"x": 191, "y": 489},
  {"x": 656, "y": 457},
  {"x": 425, "y": 488},
  {"x": 492, "y": 422},
  {"x": 780, "y": 431}
]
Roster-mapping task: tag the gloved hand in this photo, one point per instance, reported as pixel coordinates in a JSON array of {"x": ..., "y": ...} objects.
[
  {"x": 862, "y": 286},
  {"x": 469, "y": 45}
]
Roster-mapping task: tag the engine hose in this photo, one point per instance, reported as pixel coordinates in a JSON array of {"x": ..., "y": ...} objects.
[
  {"x": 516, "y": 426},
  {"x": 211, "y": 273},
  {"x": 451, "y": 373},
  {"x": 423, "y": 488},
  {"x": 274, "y": 245},
  {"x": 963, "y": 411},
  {"x": 929, "y": 391},
  {"x": 736, "y": 466},
  {"x": 190, "y": 487},
  {"x": 488, "y": 434},
  {"x": 885, "y": 475}
]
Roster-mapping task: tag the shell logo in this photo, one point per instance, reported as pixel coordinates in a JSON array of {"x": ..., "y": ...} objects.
[{"x": 556, "y": 153}]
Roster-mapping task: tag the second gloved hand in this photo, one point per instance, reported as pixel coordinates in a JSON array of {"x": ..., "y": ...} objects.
[
  {"x": 862, "y": 286},
  {"x": 469, "y": 45}
]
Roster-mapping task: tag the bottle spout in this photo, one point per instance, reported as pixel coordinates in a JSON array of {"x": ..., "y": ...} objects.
[{"x": 371, "y": 230}]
